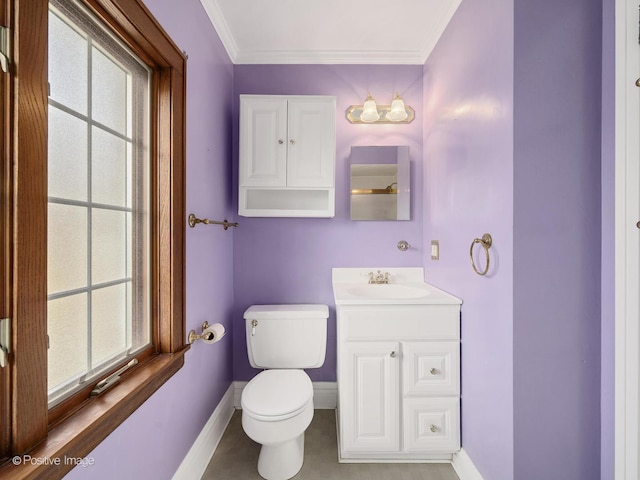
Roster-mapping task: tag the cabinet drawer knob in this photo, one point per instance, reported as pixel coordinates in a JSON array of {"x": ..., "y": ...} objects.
[
  {"x": 393, "y": 354},
  {"x": 433, "y": 428},
  {"x": 433, "y": 371}
]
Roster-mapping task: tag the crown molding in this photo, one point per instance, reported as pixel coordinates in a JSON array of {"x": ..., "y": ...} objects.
[
  {"x": 436, "y": 33},
  {"x": 413, "y": 57},
  {"x": 222, "y": 29}
]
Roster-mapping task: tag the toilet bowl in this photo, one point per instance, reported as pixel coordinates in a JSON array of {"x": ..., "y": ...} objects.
[
  {"x": 277, "y": 408},
  {"x": 277, "y": 404}
]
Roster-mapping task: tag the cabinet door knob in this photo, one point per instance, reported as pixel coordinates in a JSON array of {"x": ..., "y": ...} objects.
[
  {"x": 280, "y": 142},
  {"x": 434, "y": 371},
  {"x": 292, "y": 142},
  {"x": 433, "y": 428},
  {"x": 393, "y": 354}
]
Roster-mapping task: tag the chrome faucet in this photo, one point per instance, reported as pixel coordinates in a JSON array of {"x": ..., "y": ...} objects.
[{"x": 378, "y": 278}]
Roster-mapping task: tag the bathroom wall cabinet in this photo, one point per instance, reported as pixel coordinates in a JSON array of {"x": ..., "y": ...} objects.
[
  {"x": 398, "y": 382},
  {"x": 287, "y": 156}
]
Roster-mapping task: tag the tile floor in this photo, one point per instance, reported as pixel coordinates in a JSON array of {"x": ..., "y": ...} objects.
[{"x": 236, "y": 458}]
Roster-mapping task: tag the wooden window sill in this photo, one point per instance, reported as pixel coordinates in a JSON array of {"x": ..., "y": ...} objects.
[{"x": 70, "y": 441}]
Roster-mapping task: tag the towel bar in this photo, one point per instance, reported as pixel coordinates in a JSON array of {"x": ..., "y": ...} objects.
[{"x": 193, "y": 221}]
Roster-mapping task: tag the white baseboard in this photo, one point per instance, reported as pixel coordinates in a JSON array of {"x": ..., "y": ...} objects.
[
  {"x": 325, "y": 394},
  {"x": 464, "y": 467},
  {"x": 237, "y": 393},
  {"x": 200, "y": 453}
]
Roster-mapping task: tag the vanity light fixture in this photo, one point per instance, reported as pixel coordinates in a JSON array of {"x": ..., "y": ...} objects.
[
  {"x": 369, "y": 112},
  {"x": 398, "y": 111}
]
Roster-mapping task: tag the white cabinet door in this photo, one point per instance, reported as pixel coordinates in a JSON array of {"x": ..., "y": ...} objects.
[
  {"x": 287, "y": 156},
  {"x": 370, "y": 410},
  {"x": 263, "y": 142},
  {"x": 311, "y": 148},
  {"x": 430, "y": 368}
]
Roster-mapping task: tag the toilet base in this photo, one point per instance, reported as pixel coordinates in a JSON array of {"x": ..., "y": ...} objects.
[{"x": 281, "y": 461}]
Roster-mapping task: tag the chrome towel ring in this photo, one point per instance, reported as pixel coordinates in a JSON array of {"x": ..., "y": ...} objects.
[{"x": 486, "y": 242}]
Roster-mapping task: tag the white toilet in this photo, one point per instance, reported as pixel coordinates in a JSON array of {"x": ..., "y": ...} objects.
[{"x": 277, "y": 404}]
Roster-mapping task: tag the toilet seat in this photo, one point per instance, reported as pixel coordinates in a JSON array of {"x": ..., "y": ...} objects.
[{"x": 276, "y": 395}]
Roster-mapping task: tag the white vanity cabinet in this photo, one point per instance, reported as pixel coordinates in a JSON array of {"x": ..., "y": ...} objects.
[
  {"x": 287, "y": 156},
  {"x": 398, "y": 369},
  {"x": 369, "y": 394}
]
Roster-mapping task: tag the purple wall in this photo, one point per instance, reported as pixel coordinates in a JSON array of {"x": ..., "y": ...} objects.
[
  {"x": 557, "y": 230},
  {"x": 468, "y": 155},
  {"x": 280, "y": 260},
  {"x": 154, "y": 440},
  {"x": 512, "y": 147},
  {"x": 507, "y": 141}
]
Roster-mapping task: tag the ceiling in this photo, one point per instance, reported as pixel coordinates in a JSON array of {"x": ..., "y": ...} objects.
[{"x": 330, "y": 31}]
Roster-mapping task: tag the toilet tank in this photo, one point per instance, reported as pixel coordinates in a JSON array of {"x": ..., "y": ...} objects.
[{"x": 286, "y": 336}]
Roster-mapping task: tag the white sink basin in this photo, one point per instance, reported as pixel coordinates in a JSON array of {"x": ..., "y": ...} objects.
[
  {"x": 380, "y": 291},
  {"x": 407, "y": 287}
]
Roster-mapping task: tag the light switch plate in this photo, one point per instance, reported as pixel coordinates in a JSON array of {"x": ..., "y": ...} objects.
[{"x": 435, "y": 250}]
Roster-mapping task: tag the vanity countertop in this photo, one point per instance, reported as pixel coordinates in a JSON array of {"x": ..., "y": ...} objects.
[{"x": 406, "y": 287}]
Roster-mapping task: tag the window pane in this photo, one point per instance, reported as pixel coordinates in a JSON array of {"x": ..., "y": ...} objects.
[
  {"x": 67, "y": 329},
  {"x": 109, "y": 87},
  {"x": 67, "y": 156},
  {"x": 109, "y": 246},
  {"x": 109, "y": 326},
  {"x": 67, "y": 248},
  {"x": 67, "y": 65},
  {"x": 99, "y": 243},
  {"x": 109, "y": 169}
]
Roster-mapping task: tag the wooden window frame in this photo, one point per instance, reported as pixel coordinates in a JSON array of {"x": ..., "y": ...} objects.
[{"x": 28, "y": 425}]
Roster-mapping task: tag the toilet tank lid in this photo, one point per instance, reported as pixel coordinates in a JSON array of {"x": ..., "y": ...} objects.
[{"x": 287, "y": 311}]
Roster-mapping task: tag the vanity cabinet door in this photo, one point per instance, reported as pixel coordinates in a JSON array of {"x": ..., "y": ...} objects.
[
  {"x": 263, "y": 142},
  {"x": 431, "y": 368},
  {"x": 311, "y": 148},
  {"x": 370, "y": 410}
]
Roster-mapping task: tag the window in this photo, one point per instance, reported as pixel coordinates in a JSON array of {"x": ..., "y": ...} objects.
[
  {"x": 126, "y": 210},
  {"x": 98, "y": 274}
]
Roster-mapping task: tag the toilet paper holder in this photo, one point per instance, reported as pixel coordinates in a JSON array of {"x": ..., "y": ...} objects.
[{"x": 207, "y": 334}]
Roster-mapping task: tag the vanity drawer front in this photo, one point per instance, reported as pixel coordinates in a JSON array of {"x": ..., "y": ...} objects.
[
  {"x": 386, "y": 322},
  {"x": 430, "y": 368},
  {"x": 432, "y": 424}
]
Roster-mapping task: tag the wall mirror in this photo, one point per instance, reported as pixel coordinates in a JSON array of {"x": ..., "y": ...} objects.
[{"x": 380, "y": 181}]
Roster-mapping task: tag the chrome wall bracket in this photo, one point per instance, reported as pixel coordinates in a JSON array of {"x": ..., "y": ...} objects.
[
  {"x": 403, "y": 245},
  {"x": 193, "y": 336}
]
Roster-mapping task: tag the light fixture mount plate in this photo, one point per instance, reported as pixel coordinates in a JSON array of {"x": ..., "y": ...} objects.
[{"x": 354, "y": 112}]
